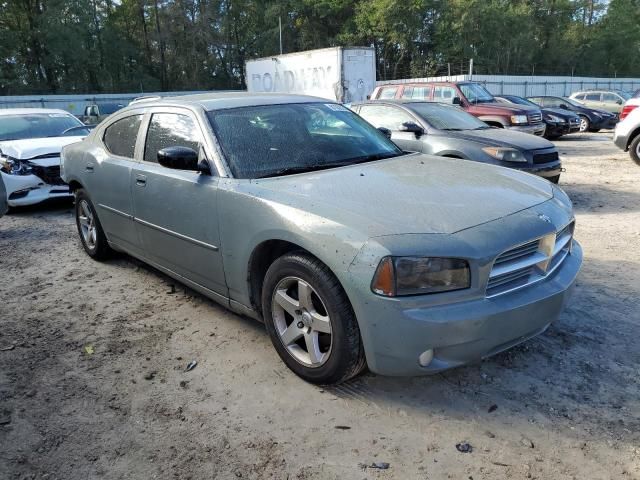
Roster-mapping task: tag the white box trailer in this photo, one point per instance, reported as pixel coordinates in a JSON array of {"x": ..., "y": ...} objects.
[{"x": 341, "y": 74}]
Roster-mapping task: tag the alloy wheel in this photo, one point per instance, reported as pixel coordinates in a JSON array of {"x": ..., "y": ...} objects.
[
  {"x": 584, "y": 124},
  {"x": 302, "y": 321},
  {"x": 87, "y": 225}
]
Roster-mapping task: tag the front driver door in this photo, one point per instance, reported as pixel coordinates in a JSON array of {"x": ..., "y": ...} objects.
[
  {"x": 392, "y": 118},
  {"x": 176, "y": 211}
]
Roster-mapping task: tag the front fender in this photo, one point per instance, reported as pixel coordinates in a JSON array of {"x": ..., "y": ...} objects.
[{"x": 246, "y": 221}]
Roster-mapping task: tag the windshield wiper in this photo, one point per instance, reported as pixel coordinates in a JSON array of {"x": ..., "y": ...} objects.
[
  {"x": 324, "y": 166},
  {"x": 453, "y": 129}
]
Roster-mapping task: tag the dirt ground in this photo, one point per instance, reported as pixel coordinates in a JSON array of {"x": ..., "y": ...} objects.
[{"x": 93, "y": 381}]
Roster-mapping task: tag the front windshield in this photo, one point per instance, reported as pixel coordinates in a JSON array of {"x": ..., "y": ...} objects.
[
  {"x": 39, "y": 125},
  {"x": 521, "y": 101},
  {"x": 272, "y": 140},
  {"x": 476, "y": 93},
  {"x": 572, "y": 102},
  {"x": 444, "y": 117}
]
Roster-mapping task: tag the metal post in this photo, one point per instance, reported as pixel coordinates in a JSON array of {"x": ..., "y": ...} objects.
[
  {"x": 280, "y": 29},
  {"x": 525, "y": 88},
  {"x": 471, "y": 69},
  {"x": 448, "y": 71}
]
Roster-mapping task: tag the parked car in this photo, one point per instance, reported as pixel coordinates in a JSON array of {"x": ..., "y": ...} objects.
[
  {"x": 627, "y": 133},
  {"x": 608, "y": 100},
  {"x": 95, "y": 113},
  {"x": 470, "y": 96},
  {"x": 296, "y": 211},
  {"x": 4, "y": 206},
  {"x": 591, "y": 119},
  {"x": 559, "y": 122},
  {"x": 30, "y": 144},
  {"x": 448, "y": 131}
]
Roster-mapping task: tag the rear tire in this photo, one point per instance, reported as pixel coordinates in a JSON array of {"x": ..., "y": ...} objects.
[
  {"x": 92, "y": 237},
  {"x": 310, "y": 320},
  {"x": 634, "y": 149}
]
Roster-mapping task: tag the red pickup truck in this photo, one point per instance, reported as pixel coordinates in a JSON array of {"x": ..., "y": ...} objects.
[{"x": 472, "y": 97}]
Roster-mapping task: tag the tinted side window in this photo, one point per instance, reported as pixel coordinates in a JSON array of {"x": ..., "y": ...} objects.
[
  {"x": 443, "y": 94},
  {"x": 593, "y": 97},
  {"x": 385, "y": 116},
  {"x": 388, "y": 92},
  {"x": 420, "y": 93},
  {"x": 170, "y": 130},
  {"x": 579, "y": 97},
  {"x": 407, "y": 92},
  {"x": 610, "y": 97},
  {"x": 120, "y": 137}
]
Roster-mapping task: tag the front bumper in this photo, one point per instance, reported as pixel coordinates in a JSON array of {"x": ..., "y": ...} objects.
[
  {"x": 536, "y": 129},
  {"x": 25, "y": 190},
  {"x": 605, "y": 123},
  {"x": 556, "y": 129},
  {"x": 399, "y": 330}
]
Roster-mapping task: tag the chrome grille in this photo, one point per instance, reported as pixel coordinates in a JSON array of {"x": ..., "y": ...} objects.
[
  {"x": 535, "y": 118},
  {"x": 529, "y": 262}
]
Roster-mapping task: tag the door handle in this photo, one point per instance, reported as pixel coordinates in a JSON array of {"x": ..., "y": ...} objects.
[
  {"x": 89, "y": 167},
  {"x": 141, "y": 180}
]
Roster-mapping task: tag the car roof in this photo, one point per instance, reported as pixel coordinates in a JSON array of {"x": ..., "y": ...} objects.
[
  {"x": 401, "y": 101},
  {"x": 223, "y": 100},
  {"x": 30, "y": 111}
]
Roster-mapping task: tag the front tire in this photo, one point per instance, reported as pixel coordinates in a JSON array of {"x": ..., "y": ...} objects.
[
  {"x": 310, "y": 320},
  {"x": 90, "y": 231},
  {"x": 634, "y": 149},
  {"x": 585, "y": 124}
]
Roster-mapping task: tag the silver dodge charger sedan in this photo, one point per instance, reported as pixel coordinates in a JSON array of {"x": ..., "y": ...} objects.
[{"x": 295, "y": 211}]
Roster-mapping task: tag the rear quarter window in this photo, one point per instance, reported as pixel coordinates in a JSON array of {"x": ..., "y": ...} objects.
[
  {"x": 388, "y": 93},
  {"x": 120, "y": 137}
]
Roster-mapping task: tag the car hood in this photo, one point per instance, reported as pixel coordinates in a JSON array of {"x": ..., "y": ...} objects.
[
  {"x": 410, "y": 194},
  {"x": 499, "y": 137},
  {"x": 559, "y": 112},
  {"x": 35, "y": 147},
  {"x": 503, "y": 108}
]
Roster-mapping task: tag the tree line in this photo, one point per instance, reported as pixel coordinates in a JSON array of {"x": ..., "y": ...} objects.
[{"x": 92, "y": 46}]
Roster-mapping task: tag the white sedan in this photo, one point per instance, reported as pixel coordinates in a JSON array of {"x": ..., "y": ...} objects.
[{"x": 30, "y": 143}]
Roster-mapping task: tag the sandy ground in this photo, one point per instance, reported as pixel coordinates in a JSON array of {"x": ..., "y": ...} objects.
[{"x": 93, "y": 381}]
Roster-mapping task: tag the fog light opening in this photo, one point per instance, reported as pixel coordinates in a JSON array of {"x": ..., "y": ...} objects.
[{"x": 425, "y": 358}]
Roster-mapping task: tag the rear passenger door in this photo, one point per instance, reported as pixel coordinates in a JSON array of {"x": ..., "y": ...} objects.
[
  {"x": 176, "y": 211},
  {"x": 593, "y": 100},
  {"x": 107, "y": 176},
  {"x": 392, "y": 118}
]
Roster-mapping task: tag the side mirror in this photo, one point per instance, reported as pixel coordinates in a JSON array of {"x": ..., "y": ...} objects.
[
  {"x": 181, "y": 158},
  {"x": 619, "y": 102},
  {"x": 386, "y": 132},
  {"x": 413, "y": 128},
  {"x": 563, "y": 106},
  {"x": 456, "y": 101}
]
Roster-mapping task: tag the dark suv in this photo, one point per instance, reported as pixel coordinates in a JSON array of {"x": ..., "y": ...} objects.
[{"x": 473, "y": 98}]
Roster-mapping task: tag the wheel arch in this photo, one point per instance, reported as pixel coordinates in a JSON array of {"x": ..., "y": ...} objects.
[
  {"x": 632, "y": 136},
  {"x": 262, "y": 257}
]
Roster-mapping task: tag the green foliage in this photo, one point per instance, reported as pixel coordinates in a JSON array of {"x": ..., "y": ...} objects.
[{"x": 147, "y": 45}]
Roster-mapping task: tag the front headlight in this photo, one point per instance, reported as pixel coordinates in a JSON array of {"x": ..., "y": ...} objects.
[
  {"x": 519, "y": 119},
  {"x": 553, "y": 118},
  {"x": 398, "y": 276},
  {"x": 505, "y": 154},
  {"x": 14, "y": 167}
]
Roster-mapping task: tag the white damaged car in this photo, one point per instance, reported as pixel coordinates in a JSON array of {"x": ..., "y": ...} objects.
[{"x": 30, "y": 143}]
